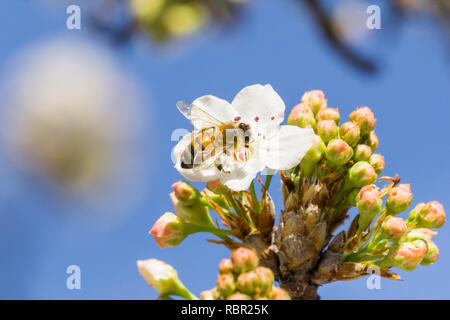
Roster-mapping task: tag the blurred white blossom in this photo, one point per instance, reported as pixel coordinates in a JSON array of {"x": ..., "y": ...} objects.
[{"x": 70, "y": 116}]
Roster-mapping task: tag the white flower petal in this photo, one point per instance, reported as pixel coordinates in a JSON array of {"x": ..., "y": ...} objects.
[
  {"x": 285, "y": 147},
  {"x": 220, "y": 110},
  {"x": 259, "y": 106},
  {"x": 240, "y": 178},
  {"x": 201, "y": 175}
]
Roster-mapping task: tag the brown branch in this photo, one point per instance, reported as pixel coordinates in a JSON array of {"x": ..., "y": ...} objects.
[{"x": 323, "y": 21}]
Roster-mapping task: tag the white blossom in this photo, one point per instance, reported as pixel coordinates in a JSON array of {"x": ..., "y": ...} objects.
[{"x": 275, "y": 146}]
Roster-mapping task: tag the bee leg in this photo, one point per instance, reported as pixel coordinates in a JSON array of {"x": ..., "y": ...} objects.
[{"x": 220, "y": 168}]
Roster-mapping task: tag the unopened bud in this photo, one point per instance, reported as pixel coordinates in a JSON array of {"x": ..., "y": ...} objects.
[
  {"x": 312, "y": 156},
  {"x": 302, "y": 116},
  {"x": 369, "y": 205},
  {"x": 239, "y": 296},
  {"x": 163, "y": 277},
  {"x": 328, "y": 114},
  {"x": 209, "y": 294},
  {"x": 278, "y": 294},
  {"x": 168, "y": 230},
  {"x": 408, "y": 255},
  {"x": 225, "y": 284},
  {"x": 244, "y": 260},
  {"x": 327, "y": 130},
  {"x": 377, "y": 162},
  {"x": 226, "y": 266},
  {"x": 430, "y": 215},
  {"x": 393, "y": 228},
  {"x": 399, "y": 199},
  {"x": 421, "y": 233},
  {"x": 195, "y": 213},
  {"x": 315, "y": 99},
  {"x": 373, "y": 141},
  {"x": 248, "y": 282},
  {"x": 432, "y": 254},
  {"x": 338, "y": 152},
  {"x": 365, "y": 119},
  {"x": 362, "y": 153},
  {"x": 185, "y": 192},
  {"x": 315, "y": 153},
  {"x": 349, "y": 132},
  {"x": 266, "y": 278},
  {"x": 362, "y": 174}
]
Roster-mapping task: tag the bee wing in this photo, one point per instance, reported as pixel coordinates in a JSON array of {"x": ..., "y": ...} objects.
[{"x": 198, "y": 117}]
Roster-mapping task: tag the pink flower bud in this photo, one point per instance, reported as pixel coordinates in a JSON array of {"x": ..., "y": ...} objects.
[
  {"x": 327, "y": 130},
  {"x": 266, "y": 278},
  {"x": 362, "y": 152},
  {"x": 239, "y": 296},
  {"x": 226, "y": 266},
  {"x": 225, "y": 284},
  {"x": 195, "y": 213},
  {"x": 365, "y": 119},
  {"x": 315, "y": 99},
  {"x": 244, "y": 260},
  {"x": 421, "y": 233},
  {"x": 372, "y": 141},
  {"x": 431, "y": 215},
  {"x": 349, "y": 132},
  {"x": 432, "y": 254},
  {"x": 369, "y": 205},
  {"x": 414, "y": 215},
  {"x": 248, "y": 282},
  {"x": 408, "y": 255},
  {"x": 168, "y": 230},
  {"x": 185, "y": 192},
  {"x": 338, "y": 152},
  {"x": 361, "y": 174},
  {"x": 302, "y": 116},
  {"x": 163, "y": 277},
  {"x": 394, "y": 228},
  {"x": 399, "y": 199},
  {"x": 328, "y": 114},
  {"x": 278, "y": 294},
  {"x": 209, "y": 294},
  {"x": 315, "y": 153},
  {"x": 377, "y": 162}
]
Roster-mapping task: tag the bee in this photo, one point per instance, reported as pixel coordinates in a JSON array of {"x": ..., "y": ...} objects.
[{"x": 215, "y": 140}]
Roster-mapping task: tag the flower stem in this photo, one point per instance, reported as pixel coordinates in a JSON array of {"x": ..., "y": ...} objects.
[
  {"x": 185, "y": 293},
  {"x": 232, "y": 200},
  {"x": 270, "y": 173},
  {"x": 254, "y": 198}
]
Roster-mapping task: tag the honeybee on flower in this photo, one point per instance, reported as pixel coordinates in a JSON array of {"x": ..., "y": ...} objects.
[{"x": 233, "y": 142}]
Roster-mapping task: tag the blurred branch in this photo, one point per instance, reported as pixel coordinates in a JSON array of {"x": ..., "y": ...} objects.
[
  {"x": 323, "y": 21},
  {"x": 119, "y": 21}
]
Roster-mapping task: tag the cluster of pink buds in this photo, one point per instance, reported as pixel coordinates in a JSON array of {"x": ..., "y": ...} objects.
[
  {"x": 192, "y": 215},
  {"x": 343, "y": 161},
  {"x": 240, "y": 278},
  {"x": 392, "y": 241},
  {"x": 337, "y": 173}
]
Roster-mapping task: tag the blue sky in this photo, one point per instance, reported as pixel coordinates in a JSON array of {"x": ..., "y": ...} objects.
[{"x": 275, "y": 43}]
